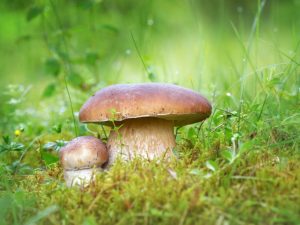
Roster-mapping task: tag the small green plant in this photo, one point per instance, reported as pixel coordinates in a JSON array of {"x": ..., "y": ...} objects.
[{"x": 8, "y": 145}]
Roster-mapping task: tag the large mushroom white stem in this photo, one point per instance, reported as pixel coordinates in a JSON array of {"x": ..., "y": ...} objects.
[{"x": 148, "y": 138}]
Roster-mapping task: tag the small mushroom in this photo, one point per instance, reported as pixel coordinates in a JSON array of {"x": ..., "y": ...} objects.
[
  {"x": 144, "y": 117},
  {"x": 81, "y": 159}
]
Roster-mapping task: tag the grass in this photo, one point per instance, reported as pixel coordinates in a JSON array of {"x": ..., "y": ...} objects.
[{"x": 241, "y": 166}]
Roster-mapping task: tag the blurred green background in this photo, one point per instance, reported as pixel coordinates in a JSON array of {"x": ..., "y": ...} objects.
[
  {"x": 205, "y": 45},
  {"x": 181, "y": 41}
]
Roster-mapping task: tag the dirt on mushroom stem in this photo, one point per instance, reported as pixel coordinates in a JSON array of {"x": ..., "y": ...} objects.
[{"x": 148, "y": 138}]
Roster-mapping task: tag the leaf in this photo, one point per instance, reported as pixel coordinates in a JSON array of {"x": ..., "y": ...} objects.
[
  {"x": 57, "y": 128},
  {"x": 14, "y": 101},
  {"x": 276, "y": 81},
  {"x": 245, "y": 147},
  {"x": 172, "y": 173},
  {"x": 55, "y": 146},
  {"x": 228, "y": 132},
  {"x": 49, "y": 90},
  {"x": 91, "y": 58},
  {"x": 64, "y": 56},
  {"x": 75, "y": 79},
  {"x": 42, "y": 214},
  {"x": 176, "y": 152},
  {"x": 25, "y": 169},
  {"x": 5, "y": 204},
  {"x": 212, "y": 165},
  {"x": 52, "y": 67},
  {"x": 151, "y": 76},
  {"x": 60, "y": 144},
  {"x": 192, "y": 133},
  {"x": 110, "y": 27},
  {"x": 88, "y": 4},
  {"x": 156, "y": 212},
  {"x": 10, "y": 146},
  {"x": 228, "y": 155},
  {"x": 49, "y": 146},
  {"x": 16, "y": 146},
  {"x": 6, "y": 139},
  {"x": 19, "y": 167},
  {"x": 49, "y": 158},
  {"x": 34, "y": 12},
  {"x": 196, "y": 172},
  {"x": 23, "y": 38},
  {"x": 90, "y": 220}
]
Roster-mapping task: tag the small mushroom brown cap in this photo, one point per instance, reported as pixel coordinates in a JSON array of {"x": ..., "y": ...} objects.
[
  {"x": 128, "y": 101},
  {"x": 83, "y": 152}
]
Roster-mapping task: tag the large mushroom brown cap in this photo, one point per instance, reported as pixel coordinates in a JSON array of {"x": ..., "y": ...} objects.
[
  {"x": 128, "y": 101},
  {"x": 145, "y": 116}
]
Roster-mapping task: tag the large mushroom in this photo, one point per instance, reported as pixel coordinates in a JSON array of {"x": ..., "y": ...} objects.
[
  {"x": 81, "y": 159},
  {"x": 143, "y": 117}
]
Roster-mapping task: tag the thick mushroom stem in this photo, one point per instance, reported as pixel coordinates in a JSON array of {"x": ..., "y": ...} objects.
[
  {"x": 147, "y": 138},
  {"x": 81, "y": 177}
]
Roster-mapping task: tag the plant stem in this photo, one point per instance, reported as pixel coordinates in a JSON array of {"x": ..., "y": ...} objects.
[
  {"x": 66, "y": 66},
  {"x": 139, "y": 53}
]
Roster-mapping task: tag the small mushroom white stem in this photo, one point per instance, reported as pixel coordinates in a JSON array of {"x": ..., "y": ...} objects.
[
  {"x": 81, "y": 177},
  {"x": 142, "y": 137}
]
